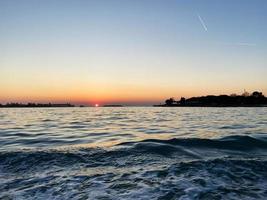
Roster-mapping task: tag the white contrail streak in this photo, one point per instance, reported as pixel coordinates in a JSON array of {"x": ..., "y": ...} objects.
[
  {"x": 202, "y": 22},
  {"x": 246, "y": 44}
]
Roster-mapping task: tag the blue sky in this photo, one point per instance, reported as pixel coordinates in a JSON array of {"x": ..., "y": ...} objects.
[{"x": 124, "y": 51}]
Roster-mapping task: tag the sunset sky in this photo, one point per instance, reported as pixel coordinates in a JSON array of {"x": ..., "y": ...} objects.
[{"x": 130, "y": 51}]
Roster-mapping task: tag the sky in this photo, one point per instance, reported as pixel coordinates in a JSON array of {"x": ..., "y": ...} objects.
[{"x": 135, "y": 52}]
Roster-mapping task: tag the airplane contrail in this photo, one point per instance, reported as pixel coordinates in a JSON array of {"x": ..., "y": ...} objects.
[
  {"x": 245, "y": 44},
  {"x": 239, "y": 44},
  {"x": 202, "y": 23}
]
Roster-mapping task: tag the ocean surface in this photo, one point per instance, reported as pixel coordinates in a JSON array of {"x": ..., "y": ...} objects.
[{"x": 133, "y": 153}]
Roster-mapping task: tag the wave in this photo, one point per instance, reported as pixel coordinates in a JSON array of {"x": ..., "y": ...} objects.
[
  {"x": 236, "y": 142},
  {"x": 189, "y": 168},
  {"x": 189, "y": 148}
]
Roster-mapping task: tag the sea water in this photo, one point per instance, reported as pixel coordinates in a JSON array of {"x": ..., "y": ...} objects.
[{"x": 133, "y": 153}]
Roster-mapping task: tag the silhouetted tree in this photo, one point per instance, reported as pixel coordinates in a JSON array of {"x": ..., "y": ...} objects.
[
  {"x": 245, "y": 94},
  {"x": 169, "y": 101},
  {"x": 257, "y": 94},
  {"x": 233, "y": 95}
]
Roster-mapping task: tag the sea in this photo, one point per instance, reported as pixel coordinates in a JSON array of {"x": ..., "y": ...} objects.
[{"x": 133, "y": 153}]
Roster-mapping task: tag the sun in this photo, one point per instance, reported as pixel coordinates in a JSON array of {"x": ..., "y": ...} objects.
[{"x": 96, "y": 105}]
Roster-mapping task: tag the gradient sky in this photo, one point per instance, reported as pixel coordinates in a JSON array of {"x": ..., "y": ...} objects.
[{"x": 130, "y": 51}]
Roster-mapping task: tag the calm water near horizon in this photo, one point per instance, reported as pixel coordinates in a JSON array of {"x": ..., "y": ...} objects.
[{"x": 133, "y": 153}]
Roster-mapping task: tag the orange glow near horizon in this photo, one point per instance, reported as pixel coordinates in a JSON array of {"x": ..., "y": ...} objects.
[
  {"x": 132, "y": 95},
  {"x": 89, "y": 92}
]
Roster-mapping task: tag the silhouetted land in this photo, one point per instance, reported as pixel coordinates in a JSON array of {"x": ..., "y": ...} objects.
[
  {"x": 256, "y": 99},
  {"x": 112, "y": 105},
  {"x": 34, "y": 105}
]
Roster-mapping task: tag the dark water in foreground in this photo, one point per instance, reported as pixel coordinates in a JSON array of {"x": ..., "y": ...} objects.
[{"x": 133, "y": 153}]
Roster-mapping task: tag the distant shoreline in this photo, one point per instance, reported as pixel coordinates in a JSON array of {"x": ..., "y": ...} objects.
[
  {"x": 256, "y": 99},
  {"x": 113, "y": 105},
  {"x": 206, "y": 106},
  {"x": 35, "y": 105}
]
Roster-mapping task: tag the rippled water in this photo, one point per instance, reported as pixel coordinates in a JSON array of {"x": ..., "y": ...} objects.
[{"x": 133, "y": 153}]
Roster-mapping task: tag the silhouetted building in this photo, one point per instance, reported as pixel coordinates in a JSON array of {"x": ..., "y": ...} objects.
[{"x": 182, "y": 101}]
